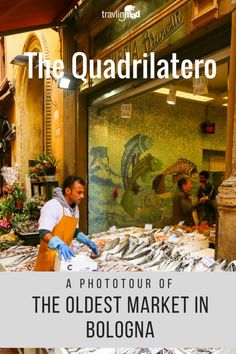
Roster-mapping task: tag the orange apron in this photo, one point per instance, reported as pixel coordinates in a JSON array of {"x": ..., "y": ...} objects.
[{"x": 65, "y": 230}]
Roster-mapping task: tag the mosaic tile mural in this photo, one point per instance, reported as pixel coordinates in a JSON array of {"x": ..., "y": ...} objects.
[{"x": 127, "y": 155}]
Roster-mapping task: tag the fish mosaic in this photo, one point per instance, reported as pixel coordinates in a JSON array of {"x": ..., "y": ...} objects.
[
  {"x": 130, "y": 158},
  {"x": 182, "y": 167}
]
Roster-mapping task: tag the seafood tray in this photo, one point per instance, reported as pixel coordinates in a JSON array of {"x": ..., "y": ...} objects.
[
  {"x": 145, "y": 351},
  {"x": 207, "y": 252},
  {"x": 191, "y": 244},
  {"x": 19, "y": 258}
]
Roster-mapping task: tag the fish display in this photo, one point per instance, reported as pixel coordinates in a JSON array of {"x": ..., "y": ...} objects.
[
  {"x": 149, "y": 350},
  {"x": 172, "y": 248},
  {"x": 164, "y": 249},
  {"x": 178, "y": 169},
  {"x": 19, "y": 258}
]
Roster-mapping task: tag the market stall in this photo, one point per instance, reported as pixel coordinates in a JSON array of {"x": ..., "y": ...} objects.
[
  {"x": 144, "y": 351},
  {"x": 172, "y": 248}
]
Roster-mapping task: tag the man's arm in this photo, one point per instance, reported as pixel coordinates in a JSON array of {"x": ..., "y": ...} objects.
[
  {"x": 48, "y": 220},
  {"x": 45, "y": 235}
]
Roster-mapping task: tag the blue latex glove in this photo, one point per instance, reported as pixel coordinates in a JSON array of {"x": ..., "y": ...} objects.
[
  {"x": 64, "y": 251},
  {"x": 92, "y": 245},
  {"x": 81, "y": 237}
]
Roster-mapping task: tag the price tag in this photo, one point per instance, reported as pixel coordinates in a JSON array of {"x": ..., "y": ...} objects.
[
  {"x": 208, "y": 261},
  {"x": 173, "y": 238},
  {"x": 181, "y": 223},
  {"x": 180, "y": 230},
  {"x": 148, "y": 227},
  {"x": 113, "y": 228}
]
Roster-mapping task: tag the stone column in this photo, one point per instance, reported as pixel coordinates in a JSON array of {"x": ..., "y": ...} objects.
[{"x": 226, "y": 200}]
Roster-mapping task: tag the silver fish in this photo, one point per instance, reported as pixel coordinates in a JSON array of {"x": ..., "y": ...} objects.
[
  {"x": 133, "y": 244},
  {"x": 142, "y": 245},
  {"x": 111, "y": 244},
  {"x": 140, "y": 254},
  {"x": 155, "y": 261},
  {"x": 121, "y": 246},
  {"x": 125, "y": 249},
  {"x": 231, "y": 267},
  {"x": 223, "y": 265},
  {"x": 137, "y": 261},
  {"x": 147, "y": 258},
  {"x": 164, "y": 265}
]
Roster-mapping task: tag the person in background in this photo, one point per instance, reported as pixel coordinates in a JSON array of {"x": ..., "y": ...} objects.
[
  {"x": 207, "y": 199},
  {"x": 58, "y": 224},
  {"x": 182, "y": 203}
]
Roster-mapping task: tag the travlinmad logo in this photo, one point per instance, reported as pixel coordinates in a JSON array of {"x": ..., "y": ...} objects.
[{"x": 129, "y": 12}]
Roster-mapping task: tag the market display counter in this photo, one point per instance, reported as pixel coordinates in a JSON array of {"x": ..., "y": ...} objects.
[
  {"x": 144, "y": 351},
  {"x": 135, "y": 249},
  {"x": 19, "y": 258}
]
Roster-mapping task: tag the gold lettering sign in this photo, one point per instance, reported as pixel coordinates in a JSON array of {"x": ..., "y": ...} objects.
[{"x": 163, "y": 33}]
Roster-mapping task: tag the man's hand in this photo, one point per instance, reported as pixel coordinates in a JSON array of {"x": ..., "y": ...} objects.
[
  {"x": 64, "y": 251},
  {"x": 92, "y": 245},
  {"x": 81, "y": 237}
]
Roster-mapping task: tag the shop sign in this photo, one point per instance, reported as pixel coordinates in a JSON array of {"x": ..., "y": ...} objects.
[
  {"x": 141, "y": 11},
  {"x": 165, "y": 32}
]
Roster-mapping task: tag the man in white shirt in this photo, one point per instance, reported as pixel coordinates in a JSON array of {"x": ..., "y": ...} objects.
[{"x": 59, "y": 224}]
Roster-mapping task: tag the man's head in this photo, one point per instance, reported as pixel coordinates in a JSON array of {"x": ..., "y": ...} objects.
[
  {"x": 185, "y": 184},
  {"x": 203, "y": 176},
  {"x": 73, "y": 189}
]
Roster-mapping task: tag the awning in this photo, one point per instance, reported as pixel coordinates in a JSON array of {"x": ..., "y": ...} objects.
[{"x": 26, "y": 15}]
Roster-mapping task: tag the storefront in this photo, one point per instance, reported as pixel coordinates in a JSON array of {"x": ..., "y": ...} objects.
[
  {"x": 128, "y": 143},
  {"x": 134, "y": 136}
]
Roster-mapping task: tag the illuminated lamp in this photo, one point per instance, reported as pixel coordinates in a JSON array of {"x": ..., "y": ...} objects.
[{"x": 67, "y": 82}]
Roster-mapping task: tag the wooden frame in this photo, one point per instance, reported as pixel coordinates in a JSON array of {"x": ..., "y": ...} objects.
[{"x": 204, "y": 12}]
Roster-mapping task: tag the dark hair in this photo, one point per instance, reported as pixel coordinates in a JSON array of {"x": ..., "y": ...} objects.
[
  {"x": 181, "y": 182},
  {"x": 204, "y": 174},
  {"x": 70, "y": 181}
]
